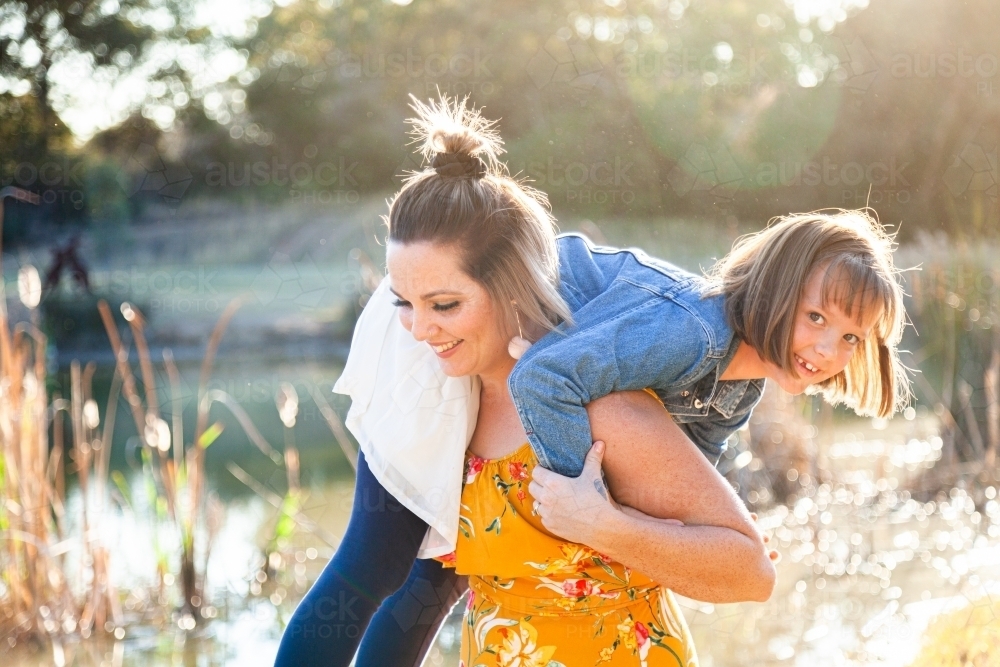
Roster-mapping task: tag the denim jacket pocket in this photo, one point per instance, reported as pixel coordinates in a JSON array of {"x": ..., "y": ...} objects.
[{"x": 686, "y": 403}]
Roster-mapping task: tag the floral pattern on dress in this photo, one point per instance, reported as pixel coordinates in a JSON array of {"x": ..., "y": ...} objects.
[{"x": 529, "y": 586}]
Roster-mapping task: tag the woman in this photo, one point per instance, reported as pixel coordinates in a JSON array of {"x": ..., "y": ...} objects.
[{"x": 721, "y": 559}]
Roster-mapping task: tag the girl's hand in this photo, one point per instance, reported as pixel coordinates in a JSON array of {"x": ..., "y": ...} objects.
[{"x": 574, "y": 508}]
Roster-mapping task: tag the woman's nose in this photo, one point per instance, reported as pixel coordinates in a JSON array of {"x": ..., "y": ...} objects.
[{"x": 421, "y": 326}]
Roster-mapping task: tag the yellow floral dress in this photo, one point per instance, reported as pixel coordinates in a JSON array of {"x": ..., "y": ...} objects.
[{"x": 536, "y": 600}]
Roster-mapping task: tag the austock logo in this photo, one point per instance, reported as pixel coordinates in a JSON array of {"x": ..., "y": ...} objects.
[
  {"x": 145, "y": 171},
  {"x": 707, "y": 170},
  {"x": 421, "y": 603},
  {"x": 565, "y": 61},
  {"x": 856, "y": 68},
  {"x": 974, "y": 169},
  {"x": 286, "y": 280},
  {"x": 597, "y": 182},
  {"x": 457, "y": 73}
]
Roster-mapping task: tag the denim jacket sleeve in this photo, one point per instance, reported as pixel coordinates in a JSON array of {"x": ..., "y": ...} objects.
[{"x": 651, "y": 341}]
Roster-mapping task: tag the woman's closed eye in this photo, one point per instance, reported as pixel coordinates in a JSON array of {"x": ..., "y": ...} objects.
[{"x": 440, "y": 307}]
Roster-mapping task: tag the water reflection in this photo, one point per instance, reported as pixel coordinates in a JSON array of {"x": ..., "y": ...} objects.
[
  {"x": 866, "y": 566},
  {"x": 869, "y": 557}
]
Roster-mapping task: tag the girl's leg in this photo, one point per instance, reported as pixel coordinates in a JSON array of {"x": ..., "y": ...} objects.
[
  {"x": 372, "y": 562},
  {"x": 405, "y": 626}
]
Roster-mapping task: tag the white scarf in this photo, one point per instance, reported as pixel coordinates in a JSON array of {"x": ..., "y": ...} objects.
[{"x": 412, "y": 421}]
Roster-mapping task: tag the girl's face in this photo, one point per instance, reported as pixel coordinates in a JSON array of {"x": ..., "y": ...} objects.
[
  {"x": 441, "y": 305},
  {"x": 824, "y": 338}
]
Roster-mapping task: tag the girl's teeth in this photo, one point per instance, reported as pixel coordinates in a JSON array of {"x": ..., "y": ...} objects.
[{"x": 446, "y": 346}]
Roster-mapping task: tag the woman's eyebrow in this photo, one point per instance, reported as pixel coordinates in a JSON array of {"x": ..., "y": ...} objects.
[{"x": 429, "y": 295}]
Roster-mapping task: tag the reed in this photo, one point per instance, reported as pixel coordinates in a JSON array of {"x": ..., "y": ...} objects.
[
  {"x": 174, "y": 471},
  {"x": 45, "y": 597},
  {"x": 41, "y": 598}
]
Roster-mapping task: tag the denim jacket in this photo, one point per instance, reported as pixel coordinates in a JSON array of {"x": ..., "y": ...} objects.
[{"x": 639, "y": 322}]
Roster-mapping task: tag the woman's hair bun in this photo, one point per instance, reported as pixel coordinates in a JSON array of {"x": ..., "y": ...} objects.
[
  {"x": 458, "y": 165},
  {"x": 455, "y": 139}
]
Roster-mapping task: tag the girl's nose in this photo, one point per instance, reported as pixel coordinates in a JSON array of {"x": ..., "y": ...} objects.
[{"x": 826, "y": 346}]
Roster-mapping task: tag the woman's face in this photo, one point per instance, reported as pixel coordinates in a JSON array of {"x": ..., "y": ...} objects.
[
  {"x": 441, "y": 305},
  {"x": 824, "y": 339}
]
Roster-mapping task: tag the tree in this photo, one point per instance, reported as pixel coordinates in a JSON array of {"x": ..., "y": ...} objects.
[{"x": 40, "y": 35}]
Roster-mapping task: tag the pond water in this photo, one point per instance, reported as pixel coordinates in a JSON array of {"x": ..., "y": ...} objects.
[{"x": 865, "y": 564}]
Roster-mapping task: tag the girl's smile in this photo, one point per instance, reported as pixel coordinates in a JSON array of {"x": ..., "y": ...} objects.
[{"x": 824, "y": 339}]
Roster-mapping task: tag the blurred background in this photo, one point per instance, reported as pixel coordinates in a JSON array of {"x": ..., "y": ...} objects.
[{"x": 192, "y": 193}]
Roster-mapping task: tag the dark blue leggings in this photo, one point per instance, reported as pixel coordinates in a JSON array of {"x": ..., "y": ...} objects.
[{"x": 374, "y": 577}]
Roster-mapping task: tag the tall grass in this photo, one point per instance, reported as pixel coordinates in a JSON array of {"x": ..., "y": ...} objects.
[
  {"x": 176, "y": 471},
  {"x": 46, "y": 597},
  {"x": 39, "y": 595},
  {"x": 954, "y": 304}
]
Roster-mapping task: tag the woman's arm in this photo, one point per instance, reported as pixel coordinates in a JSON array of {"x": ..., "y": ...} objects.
[{"x": 717, "y": 556}]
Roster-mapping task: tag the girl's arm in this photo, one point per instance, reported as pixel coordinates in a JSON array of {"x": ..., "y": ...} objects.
[
  {"x": 602, "y": 353},
  {"x": 717, "y": 556}
]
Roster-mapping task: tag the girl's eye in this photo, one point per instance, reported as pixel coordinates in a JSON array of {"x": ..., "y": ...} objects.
[
  {"x": 852, "y": 339},
  {"x": 399, "y": 303},
  {"x": 816, "y": 317},
  {"x": 441, "y": 307}
]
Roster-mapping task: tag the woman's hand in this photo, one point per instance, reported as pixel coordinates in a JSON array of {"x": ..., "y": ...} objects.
[{"x": 574, "y": 507}]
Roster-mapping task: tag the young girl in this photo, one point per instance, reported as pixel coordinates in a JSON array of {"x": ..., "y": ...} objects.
[{"x": 812, "y": 302}]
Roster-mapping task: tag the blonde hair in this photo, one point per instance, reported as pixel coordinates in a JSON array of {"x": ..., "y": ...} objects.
[
  {"x": 465, "y": 197},
  {"x": 763, "y": 278}
]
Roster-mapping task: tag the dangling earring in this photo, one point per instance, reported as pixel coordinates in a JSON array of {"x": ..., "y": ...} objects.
[{"x": 518, "y": 344}]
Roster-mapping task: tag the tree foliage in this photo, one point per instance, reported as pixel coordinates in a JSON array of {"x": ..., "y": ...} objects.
[{"x": 721, "y": 108}]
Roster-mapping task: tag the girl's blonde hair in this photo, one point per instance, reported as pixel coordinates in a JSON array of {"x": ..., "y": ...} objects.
[
  {"x": 465, "y": 197},
  {"x": 763, "y": 279}
]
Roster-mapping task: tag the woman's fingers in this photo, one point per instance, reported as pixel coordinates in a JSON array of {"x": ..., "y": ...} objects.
[
  {"x": 542, "y": 475},
  {"x": 772, "y": 554}
]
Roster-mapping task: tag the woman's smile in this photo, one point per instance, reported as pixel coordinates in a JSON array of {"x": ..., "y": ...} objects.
[{"x": 445, "y": 349}]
